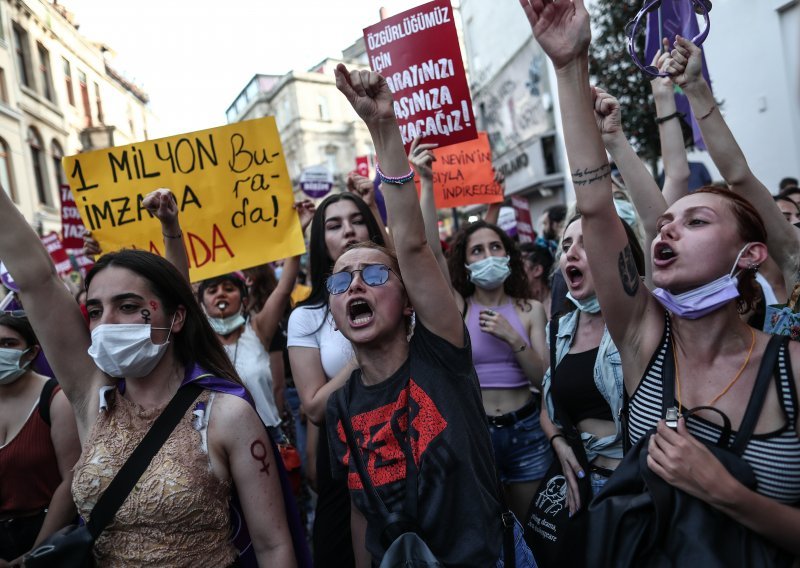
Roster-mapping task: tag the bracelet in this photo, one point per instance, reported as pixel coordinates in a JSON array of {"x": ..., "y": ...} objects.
[
  {"x": 521, "y": 349},
  {"x": 554, "y": 436},
  {"x": 706, "y": 115},
  {"x": 664, "y": 119},
  {"x": 399, "y": 180},
  {"x": 178, "y": 236}
]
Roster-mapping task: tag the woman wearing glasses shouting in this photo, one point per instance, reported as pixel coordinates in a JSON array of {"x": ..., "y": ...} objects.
[{"x": 425, "y": 388}]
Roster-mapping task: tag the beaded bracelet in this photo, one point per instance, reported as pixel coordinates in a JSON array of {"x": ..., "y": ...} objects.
[{"x": 399, "y": 180}]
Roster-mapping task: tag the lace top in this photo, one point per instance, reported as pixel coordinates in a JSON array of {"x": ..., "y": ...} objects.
[{"x": 177, "y": 514}]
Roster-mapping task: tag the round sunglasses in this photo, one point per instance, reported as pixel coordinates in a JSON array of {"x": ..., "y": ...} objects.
[{"x": 372, "y": 275}]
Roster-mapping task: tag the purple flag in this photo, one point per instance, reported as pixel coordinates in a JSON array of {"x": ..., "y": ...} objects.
[{"x": 677, "y": 18}]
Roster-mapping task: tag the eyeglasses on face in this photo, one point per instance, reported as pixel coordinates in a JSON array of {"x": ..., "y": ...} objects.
[{"x": 372, "y": 275}]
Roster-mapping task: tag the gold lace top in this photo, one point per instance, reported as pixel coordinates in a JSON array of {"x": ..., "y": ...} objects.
[{"x": 177, "y": 514}]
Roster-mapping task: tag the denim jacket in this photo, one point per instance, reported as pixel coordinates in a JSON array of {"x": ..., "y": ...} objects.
[{"x": 607, "y": 377}]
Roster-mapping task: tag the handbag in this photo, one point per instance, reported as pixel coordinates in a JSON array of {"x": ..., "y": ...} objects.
[
  {"x": 638, "y": 519},
  {"x": 399, "y": 533},
  {"x": 784, "y": 319},
  {"x": 71, "y": 547},
  {"x": 556, "y": 538}
]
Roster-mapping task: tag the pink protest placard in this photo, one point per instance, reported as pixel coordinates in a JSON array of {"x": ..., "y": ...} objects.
[
  {"x": 72, "y": 228},
  {"x": 524, "y": 221},
  {"x": 417, "y": 52}
]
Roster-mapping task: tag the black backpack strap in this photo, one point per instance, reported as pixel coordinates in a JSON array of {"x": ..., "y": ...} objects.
[
  {"x": 765, "y": 371},
  {"x": 45, "y": 398},
  {"x": 130, "y": 472}
]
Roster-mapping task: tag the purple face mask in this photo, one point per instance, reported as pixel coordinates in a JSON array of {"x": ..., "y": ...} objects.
[{"x": 705, "y": 299}]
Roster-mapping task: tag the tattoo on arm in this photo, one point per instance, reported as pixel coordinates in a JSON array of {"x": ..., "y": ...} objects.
[
  {"x": 259, "y": 452},
  {"x": 590, "y": 175},
  {"x": 627, "y": 271}
]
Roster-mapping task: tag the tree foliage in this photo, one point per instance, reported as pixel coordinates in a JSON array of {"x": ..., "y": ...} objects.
[{"x": 612, "y": 68}]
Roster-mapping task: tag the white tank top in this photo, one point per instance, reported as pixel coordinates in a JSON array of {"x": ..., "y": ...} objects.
[{"x": 252, "y": 363}]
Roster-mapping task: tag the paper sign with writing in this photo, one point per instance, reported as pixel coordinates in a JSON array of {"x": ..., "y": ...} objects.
[
  {"x": 463, "y": 175},
  {"x": 524, "y": 222},
  {"x": 417, "y": 52},
  {"x": 362, "y": 165},
  {"x": 316, "y": 181},
  {"x": 72, "y": 229},
  {"x": 57, "y": 253},
  {"x": 233, "y": 191}
]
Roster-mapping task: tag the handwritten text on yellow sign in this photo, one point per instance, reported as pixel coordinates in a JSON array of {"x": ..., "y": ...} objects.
[{"x": 233, "y": 191}]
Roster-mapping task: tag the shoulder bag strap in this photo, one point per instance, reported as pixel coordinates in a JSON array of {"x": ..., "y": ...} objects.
[
  {"x": 768, "y": 366},
  {"x": 355, "y": 452},
  {"x": 668, "y": 378},
  {"x": 44, "y": 399},
  {"x": 122, "y": 484}
]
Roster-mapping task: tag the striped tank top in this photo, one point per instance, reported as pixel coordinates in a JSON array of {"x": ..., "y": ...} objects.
[{"x": 774, "y": 457}]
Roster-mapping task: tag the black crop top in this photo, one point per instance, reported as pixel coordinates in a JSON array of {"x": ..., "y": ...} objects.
[{"x": 574, "y": 388}]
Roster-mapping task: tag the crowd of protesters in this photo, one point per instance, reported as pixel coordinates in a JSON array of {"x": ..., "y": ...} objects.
[{"x": 460, "y": 373}]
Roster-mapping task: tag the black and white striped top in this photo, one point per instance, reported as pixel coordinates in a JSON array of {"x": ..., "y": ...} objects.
[{"x": 774, "y": 457}]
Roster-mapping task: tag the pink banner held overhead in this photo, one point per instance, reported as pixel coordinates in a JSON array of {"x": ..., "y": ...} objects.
[
  {"x": 524, "y": 221},
  {"x": 72, "y": 228},
  {"x": 417, "y": 52}
]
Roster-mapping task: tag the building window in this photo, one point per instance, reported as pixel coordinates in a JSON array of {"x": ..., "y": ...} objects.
[
  {"x": 99, "y": 103},
  {"x": 39, "y": 166},
  {"x": 5, "y": 169},
  {"x": 22, "y": 49},
  {"x": 45, "y": 74},
  {"x": 3, "y": 87},
  {"x": 87, "y": 106},
  {"x": 56, "y": 153},
  {"x": 68, "y": 82}
]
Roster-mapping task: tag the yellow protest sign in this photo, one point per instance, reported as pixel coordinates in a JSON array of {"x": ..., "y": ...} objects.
[{"x": 233, "y": 191}]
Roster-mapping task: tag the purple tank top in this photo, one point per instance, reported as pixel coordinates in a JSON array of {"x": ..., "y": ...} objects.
[{"x": 493, "y": 358}]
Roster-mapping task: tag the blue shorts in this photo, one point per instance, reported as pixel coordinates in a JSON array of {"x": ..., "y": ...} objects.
[
  {"x": 522, "y": 552},
  {"x": 521, "y": 450}
]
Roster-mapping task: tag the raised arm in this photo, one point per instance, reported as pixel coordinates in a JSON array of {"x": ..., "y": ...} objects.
[
  {"x": 163, "y": 205},
  {"x": 646, "y": 196},
  {"x": 266, "y": 321},
  {"x": 562, "y": 29},
  {"x": 493, "y": 211},
  {"x": 670, "y": 134},
  {"x": 427, "y": 288},
  {"x": 51, "y": 309},
  {"x": 685, "y": 65},
  {"x": 422, "y": 158}
]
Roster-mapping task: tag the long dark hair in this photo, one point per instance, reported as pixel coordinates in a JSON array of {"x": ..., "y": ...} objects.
[
  {"x": 196, "y": 342},
  {"x": 319, "y": 259},
  {"x": 515, "y": 286}
]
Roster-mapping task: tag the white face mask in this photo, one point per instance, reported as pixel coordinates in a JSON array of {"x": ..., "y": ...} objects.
[
  {"x": 10, "y": 369},
  {"x": 226, "y": 326},
  {"x": 126, "y": 350}
]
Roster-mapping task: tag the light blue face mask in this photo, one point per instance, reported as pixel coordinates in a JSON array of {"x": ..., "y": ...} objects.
[
  {"x": 626, "y": 211},
  {"x": 226, "y": 326},
  {"x": 10, "y": 369},
  {"x": 489, "y": 273},
  {"x": 704, "y": 299},
  {"x": 588, "y": 305}
]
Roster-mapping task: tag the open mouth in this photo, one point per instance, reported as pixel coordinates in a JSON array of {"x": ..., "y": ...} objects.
[
  {"x": 574, "y": 276},
  {"x": 222, "y": 305},
  {"x": 663, "y": 254},
  {"x": 359, "y": 312}
]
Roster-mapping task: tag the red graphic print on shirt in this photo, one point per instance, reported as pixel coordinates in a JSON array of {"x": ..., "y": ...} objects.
[{"x": 382, "y": 452}]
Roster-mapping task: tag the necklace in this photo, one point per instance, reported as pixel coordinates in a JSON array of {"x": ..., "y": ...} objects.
[{"x": 729, "y": 385}]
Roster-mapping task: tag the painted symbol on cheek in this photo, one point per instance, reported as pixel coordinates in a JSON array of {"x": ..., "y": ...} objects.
[
  {"x": 259, "y": 452},
  {"x": 146, "y": 315},
  {"x": 154, "y": 306}
]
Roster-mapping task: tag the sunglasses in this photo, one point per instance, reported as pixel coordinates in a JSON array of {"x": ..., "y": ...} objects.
[{"x": 372, "y": 275}]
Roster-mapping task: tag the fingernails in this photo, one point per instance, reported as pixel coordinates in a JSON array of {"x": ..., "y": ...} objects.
[
  {"x": 570, "y": 514},
  {"x": 581, "y": 474}
]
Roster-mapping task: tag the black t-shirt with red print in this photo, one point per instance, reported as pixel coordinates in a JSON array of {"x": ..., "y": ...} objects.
[{"x": 458, "y": 505}]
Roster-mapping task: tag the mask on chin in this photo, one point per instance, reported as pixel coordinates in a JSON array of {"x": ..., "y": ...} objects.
[
  {"x": 704, "y": 299},
  {"x": 588, "y": 305},
  {"x": 489, "y": 273},
  {"x": 226, "y": 326},
  {"x": 10, "y": 369}
]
